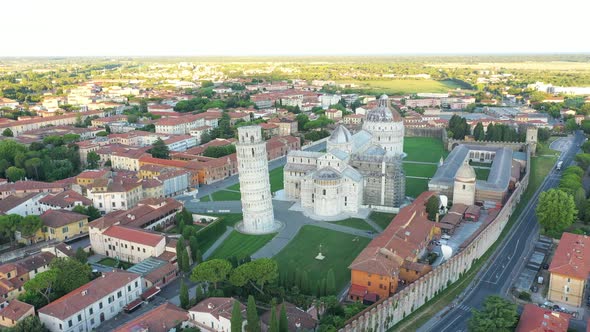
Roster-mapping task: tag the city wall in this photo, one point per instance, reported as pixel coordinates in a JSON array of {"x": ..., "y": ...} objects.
[
  {"x": 515, "y": 146},
  {"x": 387, "y": 312}
]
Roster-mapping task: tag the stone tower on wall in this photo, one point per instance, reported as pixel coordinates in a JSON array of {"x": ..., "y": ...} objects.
[
  {"x": 254, "y": 182},
  {"x": 531, "y": 138},
  {"x": 464, "y": 187}
]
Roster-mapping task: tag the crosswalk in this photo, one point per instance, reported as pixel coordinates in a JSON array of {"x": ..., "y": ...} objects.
[{"x": 464, "y": 308}]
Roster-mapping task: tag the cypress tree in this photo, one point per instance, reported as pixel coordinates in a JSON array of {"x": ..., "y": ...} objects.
[
  {"x": 274, "y": 321},
  {"x": 236, "y": 317},
  {"x": 283, "y": 322},
  {"x": 184, "y": 298},
  {"x": 331, "y": 283},
  {"x": 252, "y": 316},
  {"x": 304, "y": 283},
  {"x": 298, "y": 279},
  {"x": 180, "y": 249}
]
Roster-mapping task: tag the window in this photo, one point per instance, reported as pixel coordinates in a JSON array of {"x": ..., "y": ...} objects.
[
  {"x": 129, "y": 288},
  {"x": 91, "y": 310},
  {"x": 568, "y": 280},
  {"x": 79, "y": 318},
  {"x": 463, "y": 187},
  {"x": 132, "y": 248},
  {"x": 119, "y": 294},
  {"x": 143, "y": 249},
  {"x": 81, "y": 224},
  {"x": 64, "y": 230},
  {"x": 60, "y": 327},
  {"x": 113, "y": 204},
  {"x": 99, "y": 204},
  {"x": 324, "y": 192},
  {"x": 368, "y": 283},
  {"x": 70, "y": 323},
  {"x": 91, "y": 321},
  {"x": 99, "y": 305},
  {"x": 135, "y": 283}
]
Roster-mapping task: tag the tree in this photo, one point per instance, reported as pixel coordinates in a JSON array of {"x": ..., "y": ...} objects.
[
  {"x": 71, "y": 274},
  {"x": 257, "y": 273},
  {"x": 497, "y": 315},
  {"x": 274, "y": 322},
  {"x": 29, "y": 225},
  {"x": 556, "y": 211},
  {"x": 31, "y": 323},
  {"x": 7, "y": 133},
  {"x": 14, "y": 173},
  {"x": 160, "y": 149},
  {"x": 432, "y": 207},
  {"x": 43, "y": 284},
  {"x": 184, "y": 298},
  {"x": 583, "y": 160},
  {"x": 183, "y": 263},
  {"x": 81, "y": 256},
  {"x": 92, "y": 159},
  {"x": 194, "y": 245},
  {"x": 330, "y": 283},
  {"x": 580, "y": 201},
  {"x": 236, "y": 317},
  {"x": 92, "y": 212},
  {"x": 283, "y": 321},
  {"x": 214, "y": 271},
  {"x": 478, "y": 132},
  {"x": 571, "y": 125},
  {"x": 253, "y": 322},
  {"x": 32, "y": 167}
]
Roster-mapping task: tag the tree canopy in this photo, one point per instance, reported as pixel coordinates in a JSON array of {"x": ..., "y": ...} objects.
[
  {"x": 497, "y": 315},
  {"x": 214, "y": 271},
  {"x": 160, "y": 149},
  {"x": 556, "y": 211}
]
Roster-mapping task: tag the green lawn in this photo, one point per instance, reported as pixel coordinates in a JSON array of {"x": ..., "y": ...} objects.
[
  {"x": 421, "y": 170},
  {"x": 224, "y": 195},
  {"x": 381, "y": 218},
  {"x": 113, "y": 263},
  {"x": 241, "y": 245},
  {"x": 407, "y": 86},
  {"x": 235, "y": 187},
  {"x": 354, "y": 223},
  {"x": 425, "y": 149},
  {"x": 276, "y": 179},
  {"x": 415, "y": 187},
  {"x": 205, "y": 199},
  {"x": 340, "y": 250},
  {"x": 482, "y": 173}
]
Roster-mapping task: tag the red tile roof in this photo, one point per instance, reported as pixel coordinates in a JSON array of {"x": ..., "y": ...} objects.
[
  {"x": 61, "y": 218},
  {"x": 217, "y": 306},
  {"x": 161, "y": 319},
  {"x": 537, "y": 319},
  {"x": 572, "y": 256},
  {"x": 135, "y": 235},
  {"x": 65, "y": 199},
  {"x": 88, "y": 294},
  {"x": 17, "y": 310}
]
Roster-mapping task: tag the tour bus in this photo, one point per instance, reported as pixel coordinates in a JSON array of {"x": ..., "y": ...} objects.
[{"x": 558, "y": 167}]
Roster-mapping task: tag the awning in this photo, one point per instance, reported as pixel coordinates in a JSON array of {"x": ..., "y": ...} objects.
[
  {"x": 133, "y": 304},
  {"x": 357, "y": 290},
  {"x": 151, "y": 292}
]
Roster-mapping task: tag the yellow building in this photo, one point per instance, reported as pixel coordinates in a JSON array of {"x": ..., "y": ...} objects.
[
  {"x": 569, "y": 269},
  {"x": 63, "y": 224},
  {"x": 87, "y": 178}
]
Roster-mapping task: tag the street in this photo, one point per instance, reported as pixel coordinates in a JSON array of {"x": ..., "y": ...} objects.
[{"x": 497, "y": 276}]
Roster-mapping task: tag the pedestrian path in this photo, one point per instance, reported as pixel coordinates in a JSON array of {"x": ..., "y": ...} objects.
[
  {"x": 217, "y": 243},
  {"x": 374, "y": 224}
]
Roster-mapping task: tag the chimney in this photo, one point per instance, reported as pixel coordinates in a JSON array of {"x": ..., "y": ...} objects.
[
  {"x": 84, "y": 292},
  {"x": 210, "y": 306}
]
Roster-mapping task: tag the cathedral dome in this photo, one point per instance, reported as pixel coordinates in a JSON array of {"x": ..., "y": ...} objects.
[
  {"x": 341, "y": 135},
  {"x": 327, "y": 173},
  {"x": 465, "y": 173},
  {"x": 383, "y": 112}
]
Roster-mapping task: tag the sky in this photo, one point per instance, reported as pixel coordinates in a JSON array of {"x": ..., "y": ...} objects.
[{"x": 287, "y": 27}]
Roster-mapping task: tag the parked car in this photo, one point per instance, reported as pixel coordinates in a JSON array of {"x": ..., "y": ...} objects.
[
  {"x": 534, "y": 288},
  {"x": 545, "y": 266}
]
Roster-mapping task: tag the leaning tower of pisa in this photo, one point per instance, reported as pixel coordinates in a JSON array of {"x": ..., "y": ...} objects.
[{"x": 254, "y": 182}]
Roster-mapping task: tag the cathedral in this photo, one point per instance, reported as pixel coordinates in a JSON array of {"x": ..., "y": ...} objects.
[{"x": 360, "y": 170}]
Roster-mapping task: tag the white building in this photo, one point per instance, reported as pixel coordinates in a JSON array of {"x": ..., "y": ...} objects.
[
  {"x": 175, "y": 182},
  {"x": 116, "y": 194},
  {"x": 386, "y": 127},
  {"x": 23, "y": 206},
  {"x": 327, "y": 100},
  {"x": 214, "y": 314},
  {"x": 464, "y": 188},
  {"x": 86, "y": 307},
  {"x": 254, "y": 182},
  {"x": 128, "y": 244}
]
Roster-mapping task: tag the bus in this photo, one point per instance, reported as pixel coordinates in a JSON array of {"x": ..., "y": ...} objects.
[{"x": 559, "y": 164}]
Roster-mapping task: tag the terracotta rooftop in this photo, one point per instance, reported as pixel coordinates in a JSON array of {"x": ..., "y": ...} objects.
[
  {"x": 36, "y": 261},
  {"x": 298, "y": 319},
  {"x": 161, "y": 319},
  {"x": 80, "y": 298},
  {"x": 65, "y": 199},
  {"x": 16, "y": 310},
  {"x": 12, "y": 201},
  {"x": 134, "y": 235},
  {"x": 146, "y": 210},
  {"x": 572, "y": 256},
  {"x": 217, "y": 306},
  {"x": 61, "y": 218},
  {"x": 537, "y": 319}
]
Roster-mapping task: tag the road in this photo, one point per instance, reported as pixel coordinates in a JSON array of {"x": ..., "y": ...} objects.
[{"x": 504, "y": 266}]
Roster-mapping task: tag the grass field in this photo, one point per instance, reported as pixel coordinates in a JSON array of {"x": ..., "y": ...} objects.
[
  {"x": 415, "y": 187},
  {"x": 424, "y": 149},
  {"x": 540, "y": 167},
  {"x": 401, "y": 86},
  {"x": 482, "y": 173},
  {"x": 224, "y": 195},
  {"x": 381, "y": 218},
  {"x": 340, "y": 250},
  {"x": 422, "y": 170},
  {"x": 241, "y": 245},
  {"x": 354, "y": 223},
  {"x": 205, "y": 199},
  {"x": 113, "y": 263},
  {"x": 275, "y": 177}
]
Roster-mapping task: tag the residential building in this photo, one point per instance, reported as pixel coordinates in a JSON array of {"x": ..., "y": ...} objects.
[
  {"x": 334, "y": 114},
  {"x": 127, "y": 158},
  {"x": 537, "y": 319},
  {"x": 8, "y": 103},
  {"x": 86, "y": 307},
  {"x": 287, "y": 127},
  {"x": 392, "y": 257},
  {"x": 23, "y": 188},
  {"x": 115, "y": 193},
  {"x": 66, "y": 200},
  {"x": 63, "y": 224},
  {"x": 128, "y": 244},
  {"x": 28, "y": 204},
  {"x": 569, "y": 270},
  {"x": 87, "y": 178},
  {"x": 13, "y": 275},
  {"x": 15, "y": 312},
  {"x": 156, "y": 271},
  {"x": 214, "y": 314},
  {"x": 297, "y": 319},
  {"x": 18, "y": 127},
  {"x": 164, "y": 318}
]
